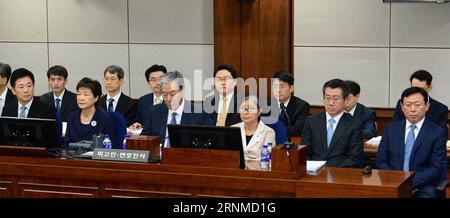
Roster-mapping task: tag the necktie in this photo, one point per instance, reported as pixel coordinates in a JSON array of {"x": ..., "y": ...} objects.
[
  {"x": 110, "y": 104},
  {"x": 172, "y": 121},
  {"x": 157, "y": 101},
  {"x": 330, "y": 131},
  {"x": 282, "y": 116},
  {"x": 408, "y": 147},
  {"x": 223, "y": 113},
  {"x": 23, "y": 111},
  {"x": 57, "y": 104}
]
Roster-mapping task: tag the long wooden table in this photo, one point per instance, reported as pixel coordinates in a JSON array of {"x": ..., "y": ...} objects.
[{"x": 47, "y": 177}]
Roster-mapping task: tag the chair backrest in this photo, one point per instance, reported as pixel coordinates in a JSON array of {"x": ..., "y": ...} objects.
[
  {"x": 120, "y": 129},
  {"x": 278, "y": 127}
]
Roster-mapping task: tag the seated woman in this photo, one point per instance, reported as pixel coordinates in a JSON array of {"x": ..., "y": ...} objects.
[
  {"x": 89, "y": 120},
  {"x": 254, "y": 132}
]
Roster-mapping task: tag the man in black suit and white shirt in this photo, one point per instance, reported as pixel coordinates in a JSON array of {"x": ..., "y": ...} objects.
[
  {"x": 296, "y": 108},
  {"x": 62, "y": 100},
  {"x": 115, "y": 100},
  {"x": 362, "y": 113},
  {"x": 22, "y": 83},
  {"x": 6, "y": 96},
  {"x": 334, "y": 136}
]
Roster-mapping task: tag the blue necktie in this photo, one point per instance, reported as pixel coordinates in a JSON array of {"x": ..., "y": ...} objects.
[
  {"x": 330, "y": 131},
  {"x": 23, "y": 110},
  {"x": 57, "y": 104},
  {"x": 172, "y": 121},
  {"x": 110, "y": 105},
  {"x": 408, "y": 147}
]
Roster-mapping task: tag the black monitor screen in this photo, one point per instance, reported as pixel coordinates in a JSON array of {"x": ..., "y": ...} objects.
[
  {"x": 207, "y": 137},
  {"x": 30, "y": 132}
]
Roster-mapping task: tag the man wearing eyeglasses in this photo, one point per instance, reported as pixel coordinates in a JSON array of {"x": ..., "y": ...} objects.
[
  {"x": 222, "y": 106},
  {"x": 174, "y": 110},
  {"x": 334, "y": 136}
]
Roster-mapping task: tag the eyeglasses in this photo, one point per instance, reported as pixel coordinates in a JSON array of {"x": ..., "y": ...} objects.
[
  {"x": 248, "y": 110},
  {"x": 224, "y": 79},
  {"x": 154, "y": 80},
  {"x": 334, "y": 98}
]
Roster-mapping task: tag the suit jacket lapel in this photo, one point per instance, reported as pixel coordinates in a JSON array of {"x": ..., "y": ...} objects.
[
  {"x": 256, "y": 138},
  {"x": 322, "y": 126},
  {"x": 401, "y": 144},
  {"x": 120, "y": 104},
  {"x": 162, "y": 130},
  {"x": 64, "y": 102}
]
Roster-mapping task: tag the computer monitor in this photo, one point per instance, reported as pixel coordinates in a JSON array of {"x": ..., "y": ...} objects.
[
  {"x": 28, "y": 132},
  {"x": 207, "y": 137}
]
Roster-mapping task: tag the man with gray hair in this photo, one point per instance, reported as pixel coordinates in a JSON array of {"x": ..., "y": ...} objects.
[
  {"x": 175, "y": 110},
  {"x": 6, "y": 96},
  {"x": 115, "y": 100}
]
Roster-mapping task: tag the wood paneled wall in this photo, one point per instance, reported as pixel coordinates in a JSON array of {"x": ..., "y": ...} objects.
[{"x": 255, "y": 37}]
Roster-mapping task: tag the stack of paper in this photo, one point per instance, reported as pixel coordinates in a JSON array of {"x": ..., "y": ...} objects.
[
  {"x": 375, "y": 141},
  {"x": 132, "y": 131},
  {"x": 448, "y": 145},
  {"x": 313, "y": 166}
]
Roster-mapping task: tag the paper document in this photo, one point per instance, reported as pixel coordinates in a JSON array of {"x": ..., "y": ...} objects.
[
  {"x": 375, "y": 141},
  {"x": 64, "y": 128},
  {"x": 134, "y": 131},
  {"x": 312, "y": 166}
]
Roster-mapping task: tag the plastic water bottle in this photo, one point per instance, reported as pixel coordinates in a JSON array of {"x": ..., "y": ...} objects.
[
  {"x": 265, "y": 158},
  {"x": 107, "y": 142},
  {"x": 124, "y": 143},
  {"x": 269, "y": 149}
]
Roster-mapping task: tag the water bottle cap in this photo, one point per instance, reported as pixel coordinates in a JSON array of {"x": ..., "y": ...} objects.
[{"x": 106, "y": 136}]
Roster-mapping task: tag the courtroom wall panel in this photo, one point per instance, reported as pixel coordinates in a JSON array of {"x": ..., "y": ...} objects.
[
  {"x": 413, "y": 36},
  {"x": 23, "y": 21},
  {"x": 87, "y": 21},
  {"x": 179, "y": 21},
  {"x": 315, "y": 65},
  {"x": 88, "y": 35},
  {"x": 29, "y": 55}
]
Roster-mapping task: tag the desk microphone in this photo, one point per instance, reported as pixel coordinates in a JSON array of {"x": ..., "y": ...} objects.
[{"x": 289, "y": 144}]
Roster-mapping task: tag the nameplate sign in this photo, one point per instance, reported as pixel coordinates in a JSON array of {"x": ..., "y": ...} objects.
[{"x": 121, "y": 155}]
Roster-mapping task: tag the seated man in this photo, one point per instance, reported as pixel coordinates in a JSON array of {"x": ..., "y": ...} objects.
[
  {"x": 222, "y": 107},
  {"x": 297, "y": 109},
  {"x": 334, "y": 136},
  {"x": 438, "y": 112},
  {"x": 115, "y": 100},
  {"x": 415, "y": 144},
  {"x": 360, "y": 112},
  {"x": 6, "y": 96},
  {"x": 22, "y": 83},
  {"x": 146, "y": 102},
  {"x": 62, "y": 100},
  {"x": 175, "y": 110}
]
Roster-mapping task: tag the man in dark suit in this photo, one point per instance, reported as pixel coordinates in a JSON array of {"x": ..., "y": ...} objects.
[
  {"x": 22, "y": 83},
  {"x": 333, "y": 135},
  {"x": 146, "y": 102},
  {"x": 297, "y": 109},
  {"x": 115, "y": 100},
  {"x": 175, "y": 110},
  {"x": 6, "y": 96},
  {"x": 222, "y": 107},
  {"x": 438, "y": 112},
  {"x": 360, "y": 112},
  {"x": 62, "y": 100},
  {"x": 415, "y": 144}
]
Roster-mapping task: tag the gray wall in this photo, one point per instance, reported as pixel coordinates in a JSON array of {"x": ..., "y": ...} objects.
[
  {"x": 374, "y": 43},
  {"x": 88, "y": 35}
]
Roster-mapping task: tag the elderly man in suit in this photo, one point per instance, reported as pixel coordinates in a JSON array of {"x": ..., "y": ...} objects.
[
  {"x": 62, "y": 100},
  {"x": 360, "y": 112},
  {"x": 6, "y": 96},
  {"x": 334, "y": 136},
  {"x": 115, "y": 100},
  {"x": 22, "y": 83},
  {"x": 175, "y": 110},
  {"x": 415, "y": 144},
  {"x": 438, "y": 112}
]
